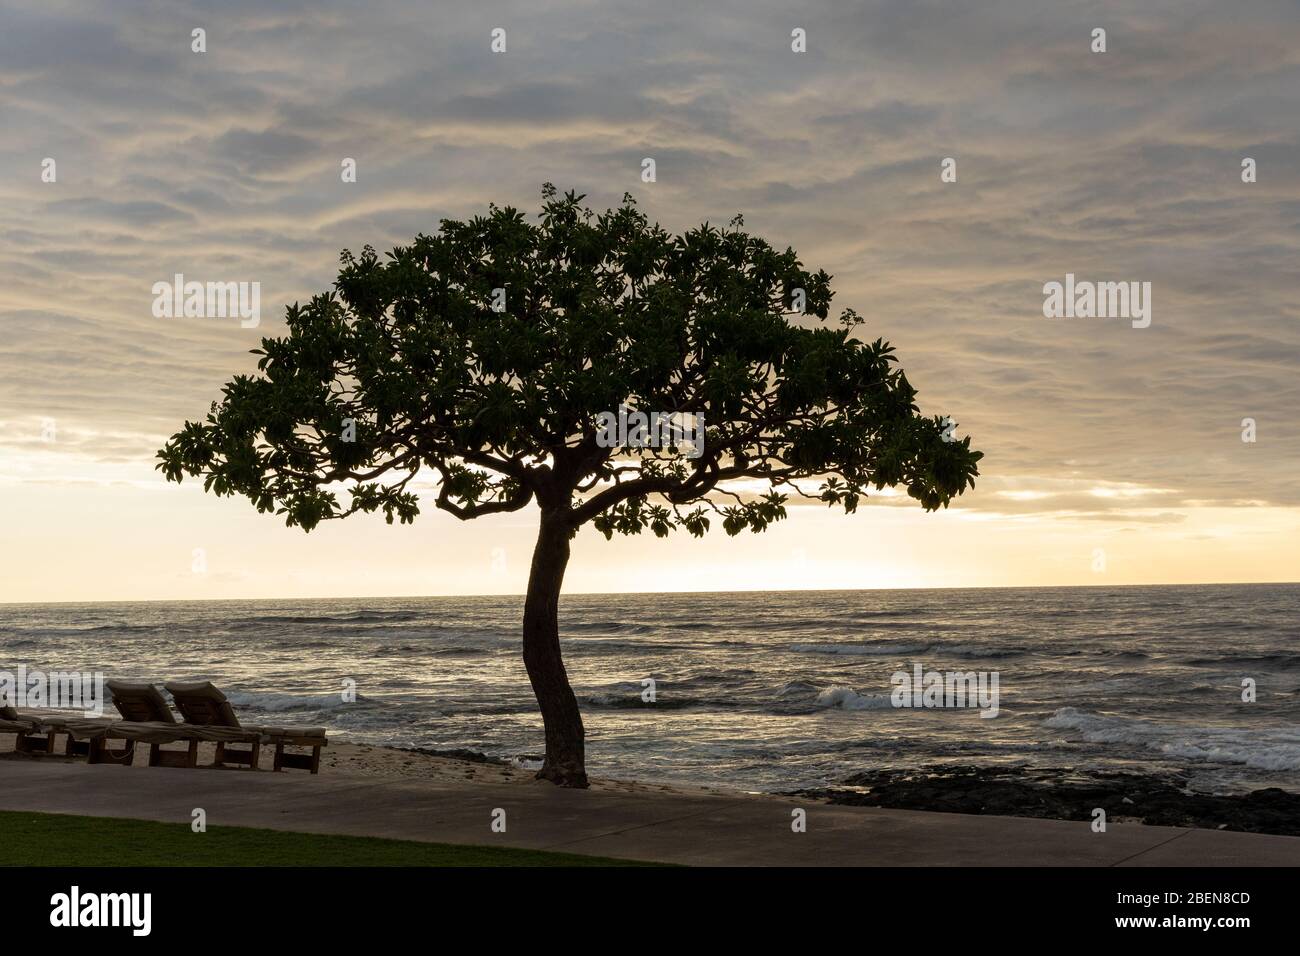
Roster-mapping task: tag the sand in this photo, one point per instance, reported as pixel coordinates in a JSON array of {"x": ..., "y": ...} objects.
[
  {"x": 393, "y": 763},
  {"x": 390, "y": 763}
]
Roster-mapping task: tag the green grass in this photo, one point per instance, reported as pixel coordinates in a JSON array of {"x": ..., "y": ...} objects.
[{"x": 51, "y": 839}]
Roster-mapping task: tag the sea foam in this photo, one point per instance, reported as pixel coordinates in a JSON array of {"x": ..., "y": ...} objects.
[{"x": 1259, "y": 748}]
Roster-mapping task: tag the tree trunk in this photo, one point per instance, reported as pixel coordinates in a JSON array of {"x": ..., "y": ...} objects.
[{"x": 565, "y": 758}]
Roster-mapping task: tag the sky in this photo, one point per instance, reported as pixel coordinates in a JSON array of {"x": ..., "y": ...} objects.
[{"x": 1113, "y": 454}]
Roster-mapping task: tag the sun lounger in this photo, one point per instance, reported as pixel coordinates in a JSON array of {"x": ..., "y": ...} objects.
[
  {"x": 31, "y": 737},
  {"x": 202, "y": 705},
  {"x": 146, "y": 718},
  {"x": 78, "y": 731},
  {"x": 206, "y": 708}
]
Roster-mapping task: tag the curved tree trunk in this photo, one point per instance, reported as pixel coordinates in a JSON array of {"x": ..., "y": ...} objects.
[{"x": 565, "y": 761}]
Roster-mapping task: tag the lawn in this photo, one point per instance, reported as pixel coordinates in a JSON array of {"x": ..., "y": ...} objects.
[{"x": 48, "y": 839}]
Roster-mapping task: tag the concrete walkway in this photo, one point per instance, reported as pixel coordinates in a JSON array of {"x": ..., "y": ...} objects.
[{"x": 700, "y": 829}]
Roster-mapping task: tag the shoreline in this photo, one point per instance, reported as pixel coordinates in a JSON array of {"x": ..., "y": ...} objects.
[
  {"x": 378, "y": 761},
  {"x": 420, "y": 763},
  {"x": 1051, "y": 794}
]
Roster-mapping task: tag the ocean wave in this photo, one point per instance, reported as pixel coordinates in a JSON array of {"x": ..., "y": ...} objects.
[
  {"x": 846, "y": 698},
  {"x": 1284, "y": 660},
  {"x": 456, "y": 650},
  {"x": 797, "y": 688},
  {"x": 524, "y": 705},
  {"x": 437, "y": 647},
  {"x": 1260, "y": 749},
  {"x": 727, "y": 676},
  {"x": 260, "y": 621},
  {"x": 633, "y": 701},
  {"x": 862, "y": 650},
  {"x": 612, "y": 627},
  {"x": 77, "y": 630},
  {"x": 273, "y": 702},
  {"x": 977, "y": 650}
]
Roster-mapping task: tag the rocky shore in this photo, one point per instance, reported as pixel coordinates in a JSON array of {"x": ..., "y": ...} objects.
[{"x": 1064, "y": 794}]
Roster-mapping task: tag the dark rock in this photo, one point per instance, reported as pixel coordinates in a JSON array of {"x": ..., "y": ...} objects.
[
  {"x": 459, "y": 753},
  {"x": 1068, "y": 795}
]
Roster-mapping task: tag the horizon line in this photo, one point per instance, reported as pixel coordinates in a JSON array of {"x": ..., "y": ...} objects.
[{"x": 521, "y": 595}]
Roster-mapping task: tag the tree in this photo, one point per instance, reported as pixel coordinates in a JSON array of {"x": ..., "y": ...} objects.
[{"x": 484, "y": 356}]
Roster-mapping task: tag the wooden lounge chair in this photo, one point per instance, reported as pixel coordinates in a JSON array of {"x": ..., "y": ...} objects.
[
  {"x": 145, "y": 718},
  {"x": 205, "y": 706},
  {"x": 31, "y": 737}
]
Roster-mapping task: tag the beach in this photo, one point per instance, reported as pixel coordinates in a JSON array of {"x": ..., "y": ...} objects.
[{"x": 359, "y": 761}]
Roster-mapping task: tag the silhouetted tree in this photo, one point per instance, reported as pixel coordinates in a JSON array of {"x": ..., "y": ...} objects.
[{"x": 483, "y": 356}]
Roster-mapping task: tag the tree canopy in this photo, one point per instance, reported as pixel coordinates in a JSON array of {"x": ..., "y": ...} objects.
[{"x": 482, "y": 356}]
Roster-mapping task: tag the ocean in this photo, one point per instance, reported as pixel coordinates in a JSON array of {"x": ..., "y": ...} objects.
[{"x": 758, "y": 691}]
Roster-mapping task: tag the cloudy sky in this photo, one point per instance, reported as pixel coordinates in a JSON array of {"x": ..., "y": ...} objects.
[{"x": 1114, "y": 454}]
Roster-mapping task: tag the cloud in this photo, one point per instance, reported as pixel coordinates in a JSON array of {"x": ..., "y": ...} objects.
[{"x": 1119, "y": 166}]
